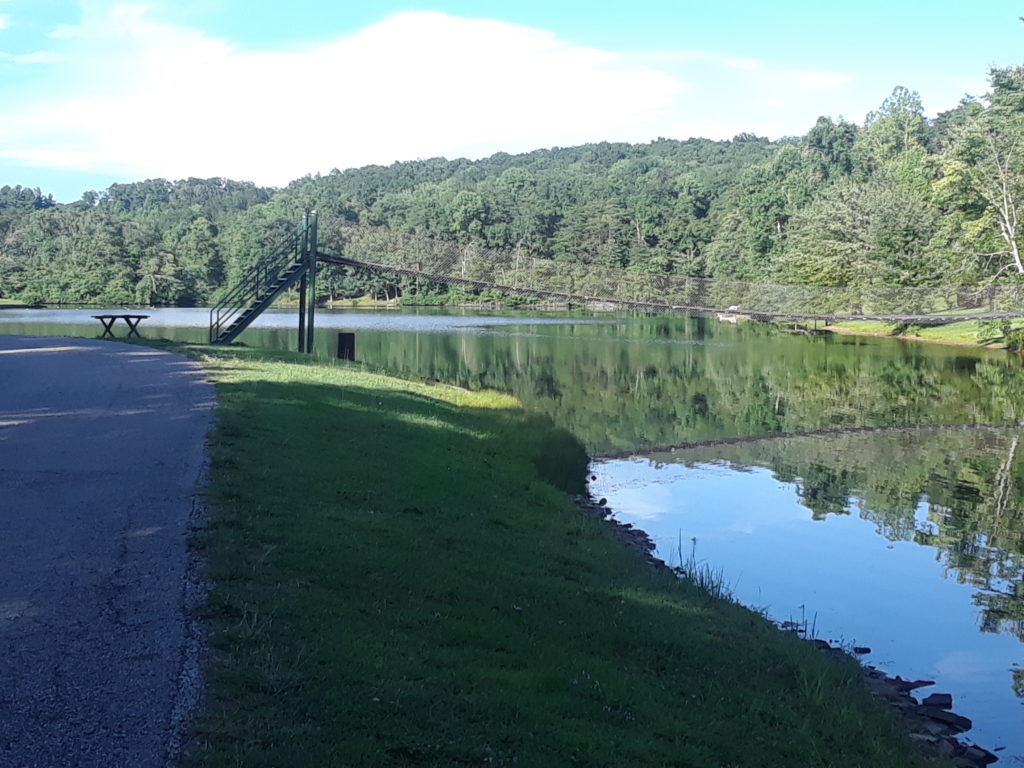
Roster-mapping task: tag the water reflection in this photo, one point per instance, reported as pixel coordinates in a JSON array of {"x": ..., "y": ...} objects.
[
  {"x": 623, "y": 384},
  {"x": 910, "y": 541},
  {"x": 960, "y": 492}
]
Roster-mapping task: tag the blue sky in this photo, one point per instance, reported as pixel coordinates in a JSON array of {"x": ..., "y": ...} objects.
[{"x": 97, "y": 91}]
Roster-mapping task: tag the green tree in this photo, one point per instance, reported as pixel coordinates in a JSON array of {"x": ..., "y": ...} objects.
[
  {"x": 832, "y": 143},
  {"x": 895, "y": 127},
  {"x": 874, "y": 232},
  {"x": 983, "y": 186}
]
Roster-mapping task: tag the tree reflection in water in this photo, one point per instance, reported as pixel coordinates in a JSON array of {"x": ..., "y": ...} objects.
[{"x": 959, "y": 491}]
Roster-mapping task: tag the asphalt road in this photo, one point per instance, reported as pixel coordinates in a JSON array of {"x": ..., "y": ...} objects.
[{"x": 101, "y": 449}]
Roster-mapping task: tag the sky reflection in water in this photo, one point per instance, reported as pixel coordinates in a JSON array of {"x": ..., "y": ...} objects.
[{"x": 920, "y": 560}]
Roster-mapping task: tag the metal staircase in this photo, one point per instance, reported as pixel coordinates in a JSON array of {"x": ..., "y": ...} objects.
[{"x": 256, "y": 290}]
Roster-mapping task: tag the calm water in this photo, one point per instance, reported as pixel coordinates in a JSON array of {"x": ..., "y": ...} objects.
[{"x": 755, "y": 451}]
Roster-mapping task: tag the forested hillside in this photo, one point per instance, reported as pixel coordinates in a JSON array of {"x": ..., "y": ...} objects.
[{"x": 898, "y": 199}]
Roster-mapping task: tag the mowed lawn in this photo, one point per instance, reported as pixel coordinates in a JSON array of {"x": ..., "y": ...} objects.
[{"x": 400, "y": 579}]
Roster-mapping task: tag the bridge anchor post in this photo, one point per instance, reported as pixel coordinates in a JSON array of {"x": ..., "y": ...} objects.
[
  {"x": 301, "y": 246},
  {"x": 311, "y": 249},
  {"x": 302, "y": 313}
]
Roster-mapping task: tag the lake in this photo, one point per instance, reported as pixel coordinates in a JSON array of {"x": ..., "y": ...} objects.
[{"x": 868, "y": 490}]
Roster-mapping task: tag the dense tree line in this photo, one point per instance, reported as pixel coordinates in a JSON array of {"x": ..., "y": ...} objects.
[
  {"x": 149, "y": 242},
  {"x": 898, "y": 199}
]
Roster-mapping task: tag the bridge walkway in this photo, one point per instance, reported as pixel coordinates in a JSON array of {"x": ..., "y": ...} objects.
[{"x": 294, "y": 261}]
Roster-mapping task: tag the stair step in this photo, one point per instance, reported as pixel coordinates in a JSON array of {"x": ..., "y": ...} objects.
[{"x": 282, "y": 273}]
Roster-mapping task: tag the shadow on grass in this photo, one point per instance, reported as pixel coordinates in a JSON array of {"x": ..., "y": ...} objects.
[{"x": 354, "y": 425}]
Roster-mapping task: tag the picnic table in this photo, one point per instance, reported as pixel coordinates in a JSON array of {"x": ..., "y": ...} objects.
[{"x": 109, "y": 320}]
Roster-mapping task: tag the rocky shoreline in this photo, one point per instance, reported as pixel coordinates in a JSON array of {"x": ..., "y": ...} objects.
[{"x": 930, "y": 723}]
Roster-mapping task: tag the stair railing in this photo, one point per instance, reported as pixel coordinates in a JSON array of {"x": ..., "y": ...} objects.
[{"x": 255, "y": 282}]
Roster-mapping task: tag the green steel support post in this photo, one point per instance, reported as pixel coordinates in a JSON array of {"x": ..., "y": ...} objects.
[
  {"x": 300, "y": 245},
  {"x": 302, "y": 314},
  {"x": 311, "y": 246}
]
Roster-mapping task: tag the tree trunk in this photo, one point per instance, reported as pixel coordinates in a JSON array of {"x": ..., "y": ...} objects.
[{"x": 1001, "y": 494}]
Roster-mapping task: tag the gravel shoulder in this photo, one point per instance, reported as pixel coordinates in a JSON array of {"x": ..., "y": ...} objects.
[{"x": 101, "y": 451}]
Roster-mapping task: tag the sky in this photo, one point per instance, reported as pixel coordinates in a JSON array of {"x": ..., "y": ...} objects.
[{"x": 94, "y": 92}]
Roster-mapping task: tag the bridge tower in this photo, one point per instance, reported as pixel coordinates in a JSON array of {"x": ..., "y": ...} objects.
[{"x": 292, "y": 261}]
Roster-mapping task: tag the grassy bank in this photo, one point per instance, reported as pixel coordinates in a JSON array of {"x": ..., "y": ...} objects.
[
  {"x": 400, "y": 579},
  {"x": 290, "y": 300},
  {"x": 966, "y": 332}
]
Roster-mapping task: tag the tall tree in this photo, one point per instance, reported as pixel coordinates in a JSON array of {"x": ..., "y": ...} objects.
[
  {"x": 983, "y": 185},
  {"x": 895, "y": 127}
]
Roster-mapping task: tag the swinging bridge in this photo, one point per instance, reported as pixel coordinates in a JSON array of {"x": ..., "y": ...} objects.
[{"x": 295, "y": 259}]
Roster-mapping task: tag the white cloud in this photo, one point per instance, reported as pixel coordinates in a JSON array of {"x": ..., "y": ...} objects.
[
  {"x": 816, "y": 79},
  {"x": 38, "y": 57},
  {"x": 5, "y": 21},
  {"x": 146, "y": 98}
]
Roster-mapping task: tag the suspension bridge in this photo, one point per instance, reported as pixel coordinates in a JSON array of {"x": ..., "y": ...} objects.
[{"x": 294, "y": 262}]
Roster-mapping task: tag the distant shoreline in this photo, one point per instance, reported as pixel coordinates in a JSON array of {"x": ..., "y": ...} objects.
[{"x": 913, "y": 337}]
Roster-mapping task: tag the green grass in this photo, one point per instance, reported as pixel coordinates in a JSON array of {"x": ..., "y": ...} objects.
[
  {"x": 367, "y": 301},
  {"x": 290, "y": 300},
  {"x": 401, "y": 580},
  {"x": 964, "y": 332}
]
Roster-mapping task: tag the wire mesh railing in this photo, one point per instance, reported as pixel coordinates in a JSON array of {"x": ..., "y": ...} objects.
[{"x": 514, "y": 272}]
